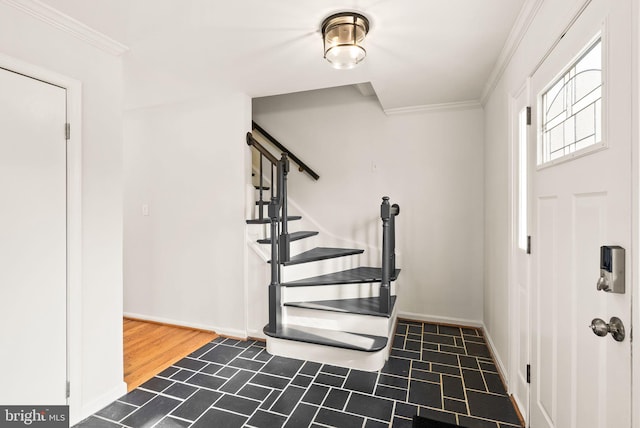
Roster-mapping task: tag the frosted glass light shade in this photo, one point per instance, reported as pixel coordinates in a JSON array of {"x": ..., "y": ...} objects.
[{"x": 343, "y": 34}]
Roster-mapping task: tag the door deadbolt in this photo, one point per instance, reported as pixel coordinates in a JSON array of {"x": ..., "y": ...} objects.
[
  {"x": 611, "y": 269},
  {"x": 615, "y": 327}
]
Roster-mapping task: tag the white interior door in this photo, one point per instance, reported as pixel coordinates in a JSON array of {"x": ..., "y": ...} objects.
[
  {"x": 582, "y": 201},
  {"x": 33, "y": 290},
  {"x": 520, "y": 264}
]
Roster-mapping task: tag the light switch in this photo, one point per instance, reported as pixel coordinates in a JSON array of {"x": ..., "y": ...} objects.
[{"x": 145, "y": 209}]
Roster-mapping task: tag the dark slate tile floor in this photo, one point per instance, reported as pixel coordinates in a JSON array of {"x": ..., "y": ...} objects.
[{"x": 442, "y": 372}]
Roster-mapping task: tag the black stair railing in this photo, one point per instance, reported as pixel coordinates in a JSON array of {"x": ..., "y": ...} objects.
[
  {"x": 281, "y": 169},
  {"x": 302, "y": 167},
  {"x": 284, "y": 239},
  {"x": 279, "y": 230},
  {"x": 388, "y": 215},
  {"x": 264, "y": 154}
]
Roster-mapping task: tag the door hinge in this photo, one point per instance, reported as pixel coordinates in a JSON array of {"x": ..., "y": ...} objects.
[
  {"x": 528, "y": 373},
  {"x": 68, "y": 389},
  {"x": 67, "y": 131},
  {"x": 528, "y": 115},
  {"x": 529, "y": 244}
]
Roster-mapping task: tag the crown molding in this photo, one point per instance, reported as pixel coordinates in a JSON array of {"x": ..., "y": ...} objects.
[
  {"x": 459, "y": 105},
  {"x": 523, "y": 22},
  {"x": 59, "y": 20}
]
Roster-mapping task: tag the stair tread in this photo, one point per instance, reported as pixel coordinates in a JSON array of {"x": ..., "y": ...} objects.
[
  {"x": 360, "y": 305},
  {"x": 359, "y": 275},
  {"x": 337, "y": 339},
  {"x": 321, "y": 253},
  {"x": 267, "y": 220},
  {"x": 294, "y": 236}
]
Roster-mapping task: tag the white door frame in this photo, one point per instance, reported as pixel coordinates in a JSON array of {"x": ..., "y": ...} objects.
[
  {"x": 74, "y": 220},
  {"x": 513, "y": 289},
  {"x": 635, "y": 207}
]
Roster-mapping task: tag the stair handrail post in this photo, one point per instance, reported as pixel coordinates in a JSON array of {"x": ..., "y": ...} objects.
[
  {"x": 385, "y": 284},
  {"x": 388, "y": 215},
  {"x": 261, "y": 202},
  {"x": 395, "y": 210},
  {"x": 275, "y": 310},
  {"x": 284, "y": 238}
]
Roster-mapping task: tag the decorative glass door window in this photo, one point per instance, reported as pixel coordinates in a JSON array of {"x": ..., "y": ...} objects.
[{"x": 572, "y": 108}]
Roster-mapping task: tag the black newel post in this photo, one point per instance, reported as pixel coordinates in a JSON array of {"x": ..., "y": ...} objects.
[
  {"x": 388, "y": 214},
  {"x": 385, "y": 285},
  {"x": 261, "y": 201},
  {"x": 395, "y": 210},
  {"x": 274, "y": 286},
  {"x": 284, "y": 239}
]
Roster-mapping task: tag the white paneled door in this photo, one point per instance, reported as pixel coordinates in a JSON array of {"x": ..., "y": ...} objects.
[
  {"x": 582, "y": 201},
  {"x": 33, "y": 285}
]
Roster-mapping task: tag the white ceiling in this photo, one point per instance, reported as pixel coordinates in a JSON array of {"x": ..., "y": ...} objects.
[{"x": 420, "y": 52}]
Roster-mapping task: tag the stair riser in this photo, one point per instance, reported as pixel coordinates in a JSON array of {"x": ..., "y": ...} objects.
[
  {"x": 306, "y": 270},
  {"x": 331, "y": 292},
  {"x": 354, "y": 323},
  {"x": 256, "y": 211},
  {"x": 262, "y": 231},
  {"x": 359, "y": 360},
  {"x": 265, "y": 208},
  {"x": 258, "y": 231},
  {"x": 299, "y": 246}
]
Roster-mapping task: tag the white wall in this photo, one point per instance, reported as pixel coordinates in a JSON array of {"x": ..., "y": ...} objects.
[
  {"x": 99, "y": 344},
  {"x": 184, "y": 262},
  {"x": 428, "y": 163}
]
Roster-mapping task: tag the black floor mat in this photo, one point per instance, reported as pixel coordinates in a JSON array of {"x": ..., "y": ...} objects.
[{"x": 422, "y": 422}]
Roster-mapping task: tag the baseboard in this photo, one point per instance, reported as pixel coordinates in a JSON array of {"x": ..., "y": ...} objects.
[
  {"x": 223, "y": 331},
  {"x": 256, "y": 334},
  {"x": 99, "y": 403},
  {"x": 502, "y": 372},
  {"x": 519, "y": 407},
  {"x": 440, "y": 320},
  {"x": 496, "y": 357}
]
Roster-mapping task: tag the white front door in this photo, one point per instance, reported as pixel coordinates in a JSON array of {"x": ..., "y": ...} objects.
[
  {"x": 33, "y": 285},
  {"x": 582, "y": 200}
]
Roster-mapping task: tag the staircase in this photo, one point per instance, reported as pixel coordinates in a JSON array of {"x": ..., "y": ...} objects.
[{"x": 318, "y": 311}]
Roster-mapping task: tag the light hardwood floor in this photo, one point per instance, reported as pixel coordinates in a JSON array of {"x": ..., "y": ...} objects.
[{"x": 150, "y": 348}]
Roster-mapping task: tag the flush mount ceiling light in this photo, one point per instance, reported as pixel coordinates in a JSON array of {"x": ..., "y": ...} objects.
[{"x": 343, "y": 34}]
